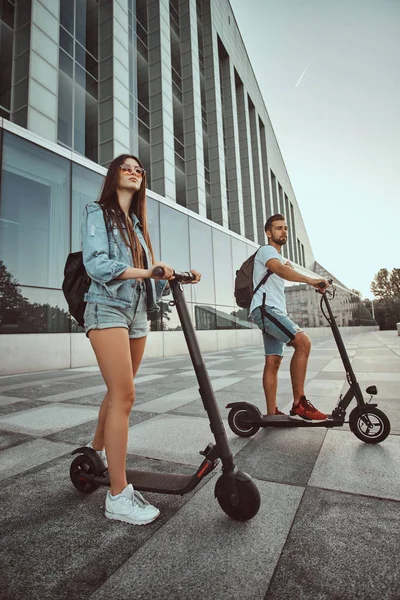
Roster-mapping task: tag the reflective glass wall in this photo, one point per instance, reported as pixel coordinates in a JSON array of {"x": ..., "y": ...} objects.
[{"x": 42, "y": 196}]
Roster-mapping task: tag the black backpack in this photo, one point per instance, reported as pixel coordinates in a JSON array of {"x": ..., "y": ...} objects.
[
  {"x": 75, "y": 285},
  {"x": 244, "y": 282}
]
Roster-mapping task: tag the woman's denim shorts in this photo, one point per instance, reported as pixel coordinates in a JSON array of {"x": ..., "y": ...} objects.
[{"x": 134, "y": 319}]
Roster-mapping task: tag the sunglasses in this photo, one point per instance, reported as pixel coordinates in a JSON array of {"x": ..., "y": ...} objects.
[{"x": 128, "y": 170}]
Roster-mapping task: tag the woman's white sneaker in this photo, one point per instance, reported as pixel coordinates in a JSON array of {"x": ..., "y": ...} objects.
[
  {"x": 101, "y": 453},
  {"x": 130, "y": 506}
]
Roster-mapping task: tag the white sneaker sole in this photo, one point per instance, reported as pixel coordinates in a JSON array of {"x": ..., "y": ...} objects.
[{"x": 125, "y": 519}]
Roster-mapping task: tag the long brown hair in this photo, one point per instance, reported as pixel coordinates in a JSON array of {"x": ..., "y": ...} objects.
[{"x": 114, "y": 215}]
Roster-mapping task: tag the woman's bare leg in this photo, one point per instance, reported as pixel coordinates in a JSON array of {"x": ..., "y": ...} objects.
[
  {"x": 137, "y": 347},
  {"x": 98, "y": 440},
  {"x": 112, "y": 349}
]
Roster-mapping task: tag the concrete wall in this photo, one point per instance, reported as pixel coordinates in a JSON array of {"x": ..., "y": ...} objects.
[{"x": 45, "y": 351}]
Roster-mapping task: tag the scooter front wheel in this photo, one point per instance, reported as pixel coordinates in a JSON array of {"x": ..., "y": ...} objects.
[
  {"x": 249, "y": 499},
  {"x": 370, "y": 426},
  {"x": 82, "y": 465},
  {"x": 237, "y": 421}
]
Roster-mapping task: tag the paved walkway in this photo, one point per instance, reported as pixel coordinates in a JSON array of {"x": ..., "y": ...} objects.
[{"x": 329, "y": 522}]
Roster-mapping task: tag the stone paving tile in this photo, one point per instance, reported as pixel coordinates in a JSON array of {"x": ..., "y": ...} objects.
[
  {"x": 82, "y": 434},
  {"x": 339, "y": 548},
  {"x": 349, "y": 465},
  {"x": 20, "y": 406},
  {"x": 37, "y": 392},
  {"x": 9, "y": 439},
  {"x": 176, "y": 399},
  {"x": 282, "y": 455},
  {"x": 56, "y": 542},
  {"x": 47, "y": 419},
  {"x": 7, "y": 400},
  {"x": 202, "y": 554},
  {"x": 5, "y": 381},
  {"x": 17, "y": 459},
  {"x": 176, "y": 438},
  {"x": 370, "y": 364}
]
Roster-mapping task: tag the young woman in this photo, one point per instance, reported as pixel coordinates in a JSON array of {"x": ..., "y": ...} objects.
[{"x": 119, "y": 259}]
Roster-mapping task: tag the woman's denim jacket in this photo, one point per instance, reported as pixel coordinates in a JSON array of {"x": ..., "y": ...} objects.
[{"x": 106, "y": 256}]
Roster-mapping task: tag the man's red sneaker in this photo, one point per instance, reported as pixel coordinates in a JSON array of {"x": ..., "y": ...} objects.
[
  {"x": 306, "y": 411},
  {"x": 279, "y": 412}
]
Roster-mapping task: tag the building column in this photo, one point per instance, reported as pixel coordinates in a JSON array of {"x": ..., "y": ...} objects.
[
  {"x": 249, "y": 208},
  {"x": 232, "y": 157},
  {"x": 161, "y": 107},
  {"x": 266, "y": 172},
  {"x": 42, "y": 110},
  {"x": 192, "y": 121},
  {"x": 259, "y": 234},
  {"x": 218, "y": 195},
  {"x": 114, "y": 137}
]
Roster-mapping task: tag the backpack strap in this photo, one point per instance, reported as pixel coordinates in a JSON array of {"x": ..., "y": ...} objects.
[{"x": 263, "y": 280}]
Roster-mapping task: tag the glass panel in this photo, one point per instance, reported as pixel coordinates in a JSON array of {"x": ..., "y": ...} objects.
[
  {"x": 64, "y": 133},
  {"x": 205, "y": 317},
  {"x": 153, "y": 224},
  {"x": 66, "y": 41},
  {"x": 86, "y": 187},
  {"x": 34, "y": 213},
  {"x": 6, "y": 51},
  {"x": 225, "y": 318},
  {"x": 223, "y": 268},
  {"x": 31, "y": 310},
  {"x": 80, "y": 30},
  {"x": 201, "y": 259},
  {"x": 67, "y": 15},
  {"x": 79, "y": 119},
  {"x": 66, "y": 63},
  {"x": 174, "y": 238}
]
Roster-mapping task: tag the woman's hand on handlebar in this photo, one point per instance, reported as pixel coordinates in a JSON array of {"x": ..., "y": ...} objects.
[
  {"x": 168, "y": 272},
  {"x": 196, "y": 274}
]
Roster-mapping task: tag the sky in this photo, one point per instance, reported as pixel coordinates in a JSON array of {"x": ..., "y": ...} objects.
[{"x": 329, "y": 73}]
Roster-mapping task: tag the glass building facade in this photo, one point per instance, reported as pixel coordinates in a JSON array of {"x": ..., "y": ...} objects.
[{"x": 82, "y": 81}]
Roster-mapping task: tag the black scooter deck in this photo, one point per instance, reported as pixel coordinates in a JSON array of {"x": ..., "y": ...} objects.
[
  {"x": 286, "y": 421},
  {"x": 172, "y": 483},
  {"x": 162, "y": 483}
]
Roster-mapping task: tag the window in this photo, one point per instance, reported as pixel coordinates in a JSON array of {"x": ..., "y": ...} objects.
[
  {"x": 34, "y": 213},
  {"x": 223, "y": 268},
  {"x": 201, "y": 259},
  {"x": 86, "y": 186}
]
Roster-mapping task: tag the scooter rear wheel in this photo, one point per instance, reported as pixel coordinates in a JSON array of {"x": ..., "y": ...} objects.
[
  {"x": 249, "y": 499},
  {"x": 370, "y": 426},
  {"x": 236, "y": 422},
  {"x": 83, "y": 465}
]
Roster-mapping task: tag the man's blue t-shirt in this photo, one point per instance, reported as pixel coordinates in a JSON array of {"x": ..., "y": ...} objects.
[{"x": 274, "y": 286}]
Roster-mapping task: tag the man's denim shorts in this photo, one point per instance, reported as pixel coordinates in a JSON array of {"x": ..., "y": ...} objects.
[
  {"x": 278, "y": 330},
  {"x": 134, "y": 319}
]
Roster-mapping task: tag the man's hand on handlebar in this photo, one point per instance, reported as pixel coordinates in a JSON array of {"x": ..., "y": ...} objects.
[{"x": 320, "y": 284}]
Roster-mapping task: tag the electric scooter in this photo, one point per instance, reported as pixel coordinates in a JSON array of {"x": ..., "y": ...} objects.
[
  {"x": 236, "y": 493},
  {"x": 368, "y": 423}
]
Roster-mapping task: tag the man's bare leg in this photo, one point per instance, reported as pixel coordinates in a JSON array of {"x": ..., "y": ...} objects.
[
  {"x": 298, "y": 365},
  {"x": 270, "y": 381}
]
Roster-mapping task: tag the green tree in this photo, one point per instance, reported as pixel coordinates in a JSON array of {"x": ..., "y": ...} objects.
[
  {"x": 380, "y": 286},
  {"x": 395, "y": 282}
]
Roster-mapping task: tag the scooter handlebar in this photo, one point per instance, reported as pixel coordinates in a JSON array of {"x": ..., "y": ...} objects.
[
  {"x": 322, "y": 284},
  {"x": 179, "y": 276}
]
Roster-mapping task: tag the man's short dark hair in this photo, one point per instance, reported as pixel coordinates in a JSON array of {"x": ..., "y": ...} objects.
[{"x": 277, "y": 217}]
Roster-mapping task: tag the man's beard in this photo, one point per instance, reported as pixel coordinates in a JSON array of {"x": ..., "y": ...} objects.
[{"x": 279, "y": 241}]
